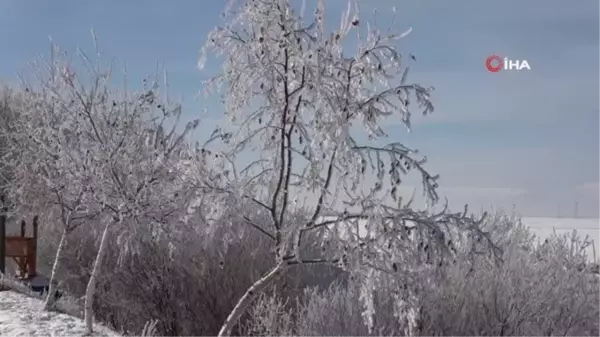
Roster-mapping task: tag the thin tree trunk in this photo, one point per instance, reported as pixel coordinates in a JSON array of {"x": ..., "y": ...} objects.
[
  {"x": 251, "y": 294},
  {"x": 91, "y": 286},
  {"x": 50, "y": 298}
]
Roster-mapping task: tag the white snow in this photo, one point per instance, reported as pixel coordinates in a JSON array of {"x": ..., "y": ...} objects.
[{"x": 21, "y": 315}]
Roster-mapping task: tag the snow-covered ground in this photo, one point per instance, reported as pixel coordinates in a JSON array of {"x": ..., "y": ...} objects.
[
  {"x": 21, "y": 315},
  {"x": 543, "y": 227}
]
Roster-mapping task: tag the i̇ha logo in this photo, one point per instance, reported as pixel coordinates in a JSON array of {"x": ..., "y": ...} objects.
[{"x": 495, "y": 63}]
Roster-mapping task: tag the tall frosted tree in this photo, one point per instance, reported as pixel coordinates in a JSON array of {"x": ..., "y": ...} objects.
[{"x": 299, "y": 98}]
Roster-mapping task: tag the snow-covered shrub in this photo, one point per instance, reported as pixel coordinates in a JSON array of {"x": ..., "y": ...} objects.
[
  {"x": 190, "y": 290},
  {"x": 539, "y": 289}
]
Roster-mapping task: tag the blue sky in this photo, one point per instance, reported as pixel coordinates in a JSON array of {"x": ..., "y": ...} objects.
[{"x": 526, "y": 138}]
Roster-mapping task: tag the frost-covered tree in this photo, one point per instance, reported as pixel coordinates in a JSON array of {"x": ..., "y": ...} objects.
[
  {"x": 300, "y": 98},
  {"x": 47, "y": 155},
  {"x": 114, "y": 159},
  {"x": 10, "y": 103}
]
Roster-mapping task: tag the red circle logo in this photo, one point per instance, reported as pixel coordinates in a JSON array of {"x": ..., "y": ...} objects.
[{"x": 494, "y": 63}]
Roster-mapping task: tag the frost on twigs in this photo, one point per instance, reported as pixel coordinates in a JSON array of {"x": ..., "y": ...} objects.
[
  {"x": 114, "y": 160},
  {"x": 87, "y": 151},
  {"x": 299, "y": 102}
]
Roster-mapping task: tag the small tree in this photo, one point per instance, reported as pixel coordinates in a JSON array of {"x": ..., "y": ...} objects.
[
  {"x": 311, "y": 95},
  {"x": 120, "y": 155},
  {"x": 47, "y": 155}
]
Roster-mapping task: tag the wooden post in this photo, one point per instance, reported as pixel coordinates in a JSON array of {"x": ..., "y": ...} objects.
[
  {"x": 3, "y": 243},
  {"x": 25, "y": 258},
  {"x": 33, "y": 257},
  {"x": 2, "y": 236}
]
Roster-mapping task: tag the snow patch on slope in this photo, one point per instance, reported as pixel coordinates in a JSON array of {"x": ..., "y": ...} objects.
[{"x": 21, "y": 315}]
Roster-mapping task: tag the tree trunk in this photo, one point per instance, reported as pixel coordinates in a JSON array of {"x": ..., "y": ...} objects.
[
  {"x": 251, "y": 294},
  {"x": 91, "y": 286},
  {"x": 50, "y": 298}
]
